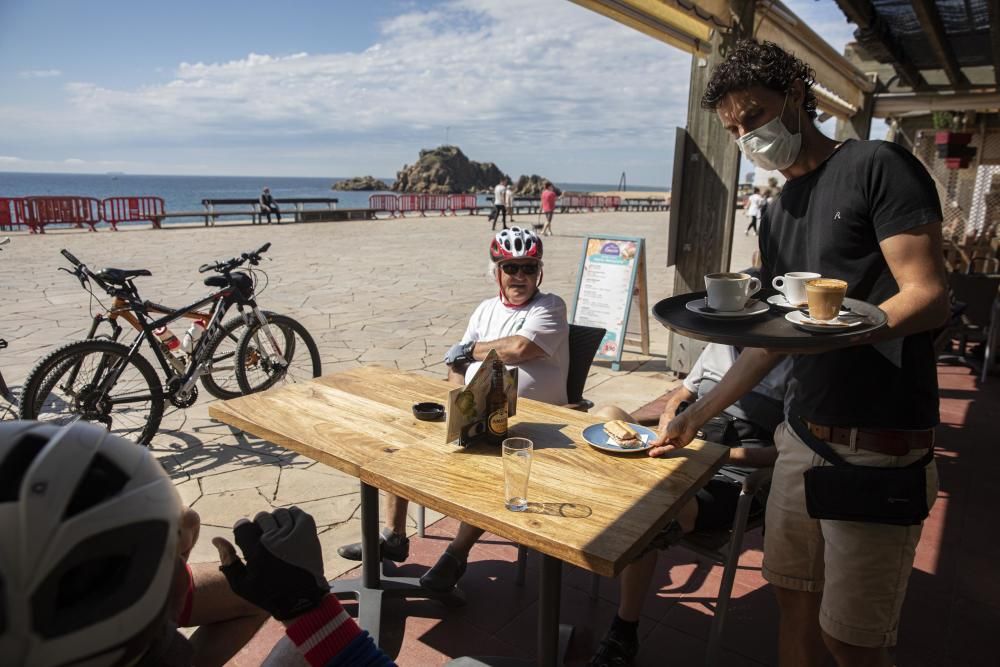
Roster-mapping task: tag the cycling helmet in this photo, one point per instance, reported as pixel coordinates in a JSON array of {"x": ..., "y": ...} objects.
[
  {"x": 515, "y": 243},
  {"x": 90, "y": 528}
]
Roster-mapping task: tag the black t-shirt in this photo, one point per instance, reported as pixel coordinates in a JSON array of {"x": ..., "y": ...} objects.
[{"x": 831, "y": 221}]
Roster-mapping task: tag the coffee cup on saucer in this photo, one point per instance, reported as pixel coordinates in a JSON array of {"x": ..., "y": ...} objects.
[
  {"x": 728, "y": 292},
  {"x": 825, "y": 296},
  {"x": 793, "y": 285}
]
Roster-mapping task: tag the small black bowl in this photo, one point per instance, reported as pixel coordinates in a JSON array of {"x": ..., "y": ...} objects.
[{"x": 428, "y": 412}]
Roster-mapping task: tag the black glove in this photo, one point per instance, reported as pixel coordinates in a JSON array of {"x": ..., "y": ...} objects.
[
  {"x": 460, "y": 354},
  {"x": 283, "y": 574}
]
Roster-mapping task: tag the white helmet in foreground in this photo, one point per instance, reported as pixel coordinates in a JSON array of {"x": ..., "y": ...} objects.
[{"x": 89, "y": 525}]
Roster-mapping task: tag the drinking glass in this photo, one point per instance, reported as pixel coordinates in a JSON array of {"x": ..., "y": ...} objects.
[{"x": 516, "y": 469}]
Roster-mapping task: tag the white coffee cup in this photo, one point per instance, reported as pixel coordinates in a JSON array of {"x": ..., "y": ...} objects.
[
  {"x": 793, "y": 285},
  {"x": 730, "y": 291}
]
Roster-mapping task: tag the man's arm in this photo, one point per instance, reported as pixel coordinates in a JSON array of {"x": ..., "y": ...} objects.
[
  {"x": 757, "y": 457},
  {"x": 916, "y": 260},
  {"x": 512, "y": 350},
  {"x": 746, "y": 373}
]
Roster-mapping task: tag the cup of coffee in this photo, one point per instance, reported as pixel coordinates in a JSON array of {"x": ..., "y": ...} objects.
[
  {"x": 730, "y": 291},
  {"x": 793, "y": 285},
  {"x": 825, "y": 295}
]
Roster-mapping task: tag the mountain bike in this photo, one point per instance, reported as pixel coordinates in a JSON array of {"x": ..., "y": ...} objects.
[{"x": 102, "y": 380}]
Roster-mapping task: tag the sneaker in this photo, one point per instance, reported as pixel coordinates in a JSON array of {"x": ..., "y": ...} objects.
[
  {"x": 445, "y": 574},
  {"x": 394, "y": 547},
  {"x": 615, "y": 650}
]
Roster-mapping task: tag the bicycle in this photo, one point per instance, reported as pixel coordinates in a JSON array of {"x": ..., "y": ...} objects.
[
  {"x": 5, "y": 392},
  {"x": 100, "y": 379}
]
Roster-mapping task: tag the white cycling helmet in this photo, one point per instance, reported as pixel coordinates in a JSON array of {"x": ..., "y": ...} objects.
[
  {"x": 89, "y": 526},
  {"x": 515, "y": 243}
]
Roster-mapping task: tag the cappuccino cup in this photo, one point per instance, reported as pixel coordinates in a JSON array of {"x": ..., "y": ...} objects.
[
  {"x": 730, "y": 291},
  {"x": 793, "y": 285},
  {"x": 825, "y": 296}
]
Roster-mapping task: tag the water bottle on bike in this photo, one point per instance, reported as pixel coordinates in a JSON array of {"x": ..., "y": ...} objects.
[
  {"x": 193, "y": 335},
  {"x": 169, "y": 340}
]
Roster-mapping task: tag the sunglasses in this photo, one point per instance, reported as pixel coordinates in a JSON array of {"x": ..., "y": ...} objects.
[{"x": 526, "y": 269}]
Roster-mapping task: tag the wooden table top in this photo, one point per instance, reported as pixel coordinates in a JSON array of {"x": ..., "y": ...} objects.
[
  {"x": 587, "y": 507},
  {"x": 342, "y": 420}
]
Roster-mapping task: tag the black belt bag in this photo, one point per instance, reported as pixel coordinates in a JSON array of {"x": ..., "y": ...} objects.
[{"x": 871, "y": 494}]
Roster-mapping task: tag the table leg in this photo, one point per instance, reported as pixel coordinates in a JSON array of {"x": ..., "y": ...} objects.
[{"x": 370, "y": 562}]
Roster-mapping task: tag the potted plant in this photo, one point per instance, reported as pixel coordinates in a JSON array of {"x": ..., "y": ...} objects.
[{"x": 952, "y": 143}]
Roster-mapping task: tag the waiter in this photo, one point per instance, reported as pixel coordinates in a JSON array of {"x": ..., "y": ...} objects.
[{"x": 868, "y": 213}]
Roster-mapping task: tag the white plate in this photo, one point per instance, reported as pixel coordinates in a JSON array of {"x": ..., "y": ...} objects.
[
  {"x": 699, "y": 306},
  {"x": 803, "y": 321},
  {"x": 596, "y": 436}
]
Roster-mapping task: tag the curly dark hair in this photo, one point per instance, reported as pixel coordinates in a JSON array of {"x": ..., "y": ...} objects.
[{"x": 753, "y": 63}]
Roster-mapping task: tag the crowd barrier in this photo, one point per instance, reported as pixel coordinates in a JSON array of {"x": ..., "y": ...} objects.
[
  {"x": 384, "y": 204},
  {"x": 458, "y": 203},
  {"x": 133, "y": 209}
]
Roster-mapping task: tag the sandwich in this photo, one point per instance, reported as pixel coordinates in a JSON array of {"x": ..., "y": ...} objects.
[{"x": 622, "y": 434}]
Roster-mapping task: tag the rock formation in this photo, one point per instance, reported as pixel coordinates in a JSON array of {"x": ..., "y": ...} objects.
[
  {"x": 446, "y": 170},
  {"x": 530, "y": 186},
  {"x": 360, "y": 183}
]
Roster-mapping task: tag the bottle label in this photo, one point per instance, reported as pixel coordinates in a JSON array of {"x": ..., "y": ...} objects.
[{"x": 498, "y": 422}]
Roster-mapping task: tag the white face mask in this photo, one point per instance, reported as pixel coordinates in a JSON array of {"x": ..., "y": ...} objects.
[{"x": 771, "y": 146}]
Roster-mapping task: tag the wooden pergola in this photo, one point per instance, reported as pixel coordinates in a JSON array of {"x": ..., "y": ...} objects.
[{"x": 911, "y": 55}]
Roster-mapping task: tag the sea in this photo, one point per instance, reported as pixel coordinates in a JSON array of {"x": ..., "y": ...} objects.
[{"x": 184, "y": 193}]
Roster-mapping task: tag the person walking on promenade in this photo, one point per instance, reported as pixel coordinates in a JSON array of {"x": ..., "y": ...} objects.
[
  {"x": 549, "y": 197},
  {"x": 754, "y": 202},
  {"x": 268, "y": 205},
  {"x": 866, "y": 212},
  {"x": 499, "y": 203},
  {"x": 508, "y": 201}
]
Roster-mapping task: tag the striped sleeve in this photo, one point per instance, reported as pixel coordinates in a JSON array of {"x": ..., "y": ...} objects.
[{"x": 328, "y": 637}]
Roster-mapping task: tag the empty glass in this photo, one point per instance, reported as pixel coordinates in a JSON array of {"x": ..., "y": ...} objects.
[{"x": 516, "y": 469}]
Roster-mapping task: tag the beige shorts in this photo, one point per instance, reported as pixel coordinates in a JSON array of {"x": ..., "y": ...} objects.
[{"x": 861, "y": 568}]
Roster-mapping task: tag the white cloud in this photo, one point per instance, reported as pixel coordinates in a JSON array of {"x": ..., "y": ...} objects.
[
  {"x": 9, "y": 158},
  {"x": 497, "y": 72},
  {"x": 74, "y": 160},
  {"x": 39, "y": 73}
]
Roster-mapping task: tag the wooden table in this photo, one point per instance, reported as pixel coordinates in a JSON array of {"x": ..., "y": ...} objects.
[{"x": 587, "y": 507}]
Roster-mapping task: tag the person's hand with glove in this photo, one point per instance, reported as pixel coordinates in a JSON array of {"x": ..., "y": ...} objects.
[
  {"x": 283, "y": 575},
  {"x": 460, "y": 354}
]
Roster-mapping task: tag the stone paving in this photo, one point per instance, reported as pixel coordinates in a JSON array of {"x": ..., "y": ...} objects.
[{"x": 395, "y": 293}]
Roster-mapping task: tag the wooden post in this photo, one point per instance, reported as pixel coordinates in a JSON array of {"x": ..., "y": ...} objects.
[
  {"x": 858, "y": 126},
  {"x": 703, "y": 192}
]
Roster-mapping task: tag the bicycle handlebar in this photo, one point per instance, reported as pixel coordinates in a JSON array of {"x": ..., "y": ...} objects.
[
  {"x": 228, "y": 265},
  {"x": 72, "y": 260}
]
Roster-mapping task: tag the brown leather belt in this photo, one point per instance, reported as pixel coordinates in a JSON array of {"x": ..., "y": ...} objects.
[{"x": 891, "y": 442}]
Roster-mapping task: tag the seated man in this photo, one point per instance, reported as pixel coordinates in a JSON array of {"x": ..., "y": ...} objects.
[
  {"x": 93, "y": 564},
  {"x": 747, "y": 427},
  {"x": 528, "y": 329},
  {"x": 268, "y": 206}
]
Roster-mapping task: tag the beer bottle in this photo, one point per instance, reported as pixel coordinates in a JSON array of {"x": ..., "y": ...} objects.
[{"x": 496, "y": 406}]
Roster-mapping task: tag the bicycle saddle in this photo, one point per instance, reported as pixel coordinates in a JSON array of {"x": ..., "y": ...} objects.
[{"x": 121, "y": 275}]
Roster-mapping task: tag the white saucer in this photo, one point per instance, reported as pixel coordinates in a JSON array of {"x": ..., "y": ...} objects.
[
  {"x": 596, "y": 436},
  {"x": 780, "y": 301},
  {"x": 803, "y": 321},
  {"x": 699, "y": 306}
]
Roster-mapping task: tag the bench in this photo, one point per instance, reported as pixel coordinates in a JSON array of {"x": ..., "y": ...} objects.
[{"x": 253, "y": 208}]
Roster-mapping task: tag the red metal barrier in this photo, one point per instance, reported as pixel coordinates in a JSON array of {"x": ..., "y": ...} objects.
[
  {"x": 409, "y": 203},
  {"x": 79, "y": 211},
  {"x": 11, "y": 212},
  {"x": 462, "y": 203},
  {"x": 434, "y": 203},
  {"x": 589, "y": 203},
  {"x": 614, "y": 202},
  {"x": 386, "y": 203},
  {"x": 602, "y": 203},
  {"x": 133, "y": 209}
]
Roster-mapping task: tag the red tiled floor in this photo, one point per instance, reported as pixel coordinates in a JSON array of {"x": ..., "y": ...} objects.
[{"x": 950, "y": 617}]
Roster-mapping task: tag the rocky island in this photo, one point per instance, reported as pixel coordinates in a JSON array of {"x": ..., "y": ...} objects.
[
  {"x": 360, "y": 183},
  {"x": 446, "y": 170}
]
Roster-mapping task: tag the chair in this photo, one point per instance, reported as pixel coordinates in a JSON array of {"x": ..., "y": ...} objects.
[
  {"x": 980, "y": 318},
  {"x": 583, "y": 343}
]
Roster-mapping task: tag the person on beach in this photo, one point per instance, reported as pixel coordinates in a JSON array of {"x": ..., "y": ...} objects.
[
  {"x": 94, "y": 565},
  {"x": 508, "y": 201},
  {"x": 549, "y": 197},
  {"x": 754, "y": 202},
  {"x": 529, "y": 330},
  {"x": 866, "y": 212},
  {"x": 268, "y": 205},
  {"x": 499, "y": 203},
  {"x": 747, "y": 427}
]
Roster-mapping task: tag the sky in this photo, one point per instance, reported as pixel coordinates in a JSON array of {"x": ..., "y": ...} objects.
[{"x": 340, "y": 88}]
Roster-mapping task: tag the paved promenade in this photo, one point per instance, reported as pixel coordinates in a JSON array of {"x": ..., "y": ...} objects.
[{"x": 395, "y": 293}]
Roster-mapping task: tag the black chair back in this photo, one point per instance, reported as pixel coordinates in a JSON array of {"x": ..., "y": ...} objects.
[{"x": 583, "y": 343}]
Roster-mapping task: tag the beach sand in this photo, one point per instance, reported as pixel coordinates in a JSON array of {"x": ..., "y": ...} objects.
[{"x": 396, "y": 293}]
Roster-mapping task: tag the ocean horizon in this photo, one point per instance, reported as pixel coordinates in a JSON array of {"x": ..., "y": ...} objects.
[{"x": 184, "y": 193}]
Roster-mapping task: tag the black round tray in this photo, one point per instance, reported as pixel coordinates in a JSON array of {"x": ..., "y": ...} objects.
[{"x": 768, "y": 330}]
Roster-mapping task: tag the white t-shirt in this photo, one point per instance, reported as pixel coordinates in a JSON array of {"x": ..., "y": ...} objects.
[
  {"x": 753, "y": 205},
  {"x": 542, "y": 321},
  {"x": 500, "y": 195}
]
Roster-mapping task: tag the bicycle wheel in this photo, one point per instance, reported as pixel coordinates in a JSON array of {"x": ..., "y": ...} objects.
[
  {"x": 69, "y": 384},
  {"x": 283, "y": 351},
  {"x": 219, "y": 379}
]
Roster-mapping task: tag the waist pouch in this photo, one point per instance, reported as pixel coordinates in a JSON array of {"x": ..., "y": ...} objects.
[{"x": 870, "y": 494}]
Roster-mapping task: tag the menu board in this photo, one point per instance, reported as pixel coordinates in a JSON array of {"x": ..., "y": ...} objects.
[
  {"x": 612, "y": 270},
  {"x": 467, "y": 406}
]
